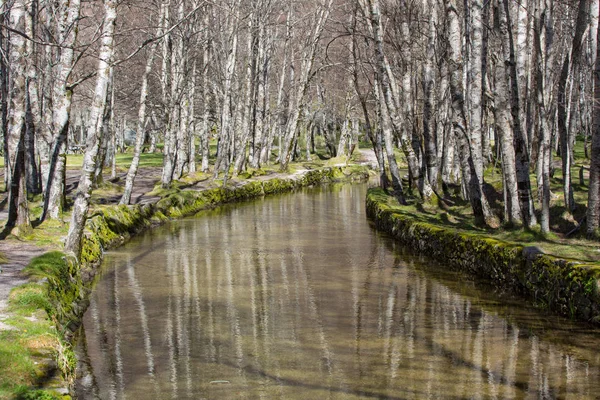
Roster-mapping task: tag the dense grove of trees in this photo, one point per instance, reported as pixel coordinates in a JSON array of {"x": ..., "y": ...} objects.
[{"x": 456, "y": 87}]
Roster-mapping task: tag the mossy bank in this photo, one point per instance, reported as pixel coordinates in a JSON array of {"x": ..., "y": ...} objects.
[
  {"x": 565, "y": 287},
  {"x": 63, "y": 287}
]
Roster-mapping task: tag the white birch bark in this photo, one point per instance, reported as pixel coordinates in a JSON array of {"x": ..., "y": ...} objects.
[
  {"x": 34, "y": 112},
  {"x": 543, "y": 39},
  {"x": 205, "y": 134},
  {"x": 308, "y": 58},
  {"x": 278, "y": 123},
  {"x": 570, "y": 69},
  {"x": 429, "y": 103},
  {"x": 520, "y": 137},
  {"x": 191, "y": 155},
  {"x": 246, "y": 109},
  {"x": 140, "y": 129},
  {"x": 389, "y": 94},
  {"x": 181, "y": 97},
  {"x": 469, "y": 141},
  {"x": 262, "y": 72},
  {"x": 386, "y": 132},
  {"x": 593, "y": 210},
  {"x": 522, "y": 63},
  {"x": 503, "y": 126},
  {"x": 4, "y": 95},
  {"x": 18, "y": 214},
  {"x": 224, "y": 148},
  {"x": 67, "y": 27},
  {"x": 84, "y": 189}
]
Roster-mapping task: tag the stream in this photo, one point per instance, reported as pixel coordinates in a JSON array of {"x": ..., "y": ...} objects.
[{"x": 298, "y": 297}]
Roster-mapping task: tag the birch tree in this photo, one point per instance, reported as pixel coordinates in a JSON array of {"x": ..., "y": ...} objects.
[
  {"x": 222, "y": 162},
  {"x": 140, "y": 129},
  {"x": 84, "y": 189},
  {"x": 18, "y": 214},
  {"x": 469, "y": 140},
  {"x": 308, "y": 58},
  {"x": 570, "y": 67},
  {"x": 520, "y": 140},
  {"x": 593, "y": 210},
  {"x": 53, "y": 163}
]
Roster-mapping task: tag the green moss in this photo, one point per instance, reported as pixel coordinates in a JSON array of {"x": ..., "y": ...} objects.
[{"x": 565, "y": 287}]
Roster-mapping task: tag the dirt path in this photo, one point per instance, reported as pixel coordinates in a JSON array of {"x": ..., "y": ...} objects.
[{"x": 20, "y": 253}]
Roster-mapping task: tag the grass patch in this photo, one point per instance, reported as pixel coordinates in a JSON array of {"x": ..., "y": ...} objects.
[
  {"x": 50, "y": 234},
  {"x": 459, "y": 216},
  {"x": 29, "y": 348},
  {"x": 75, "y": 161}
]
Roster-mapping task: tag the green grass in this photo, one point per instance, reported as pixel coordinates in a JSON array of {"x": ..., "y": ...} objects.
[
  {"x": 28, "y": 349},
  {"x": 459, "y": 216},
  {"x": 75, "y": 161}
]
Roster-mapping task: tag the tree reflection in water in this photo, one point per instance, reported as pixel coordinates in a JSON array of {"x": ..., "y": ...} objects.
[{"x": 297, "y": 297}]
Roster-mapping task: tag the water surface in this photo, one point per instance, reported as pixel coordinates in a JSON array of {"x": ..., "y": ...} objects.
[{"x": 298, "y": 297}]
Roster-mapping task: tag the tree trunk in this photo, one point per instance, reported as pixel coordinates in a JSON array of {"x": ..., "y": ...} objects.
[
  {"x": 246, "y": 109},
  {"x": 84, "y": 190},
  {"x": 18, "y": 214},
  {"x": 520, "y": 140},
  {"x": 593, "y": 210},
  {"x": 429, "y": 103},
  {"x": 469, "y": 141},
  {"x": 543, "y": 38},
  {"x": 140, "y": 129},
  {"x": 191, "y": 168},
  {"x": 33, "y": 118},
  {"x": 388, "y": 95},
  {"x": 386, "y": 132},
  {"x": 502, "y": 117},
  {"x": 224, "y": 147},
  {"x": 67, "y": 24},
  {"x": 205, "y": 134},
  {"x": 308, "y": 59},
  {"x": 569, "y": 69}
]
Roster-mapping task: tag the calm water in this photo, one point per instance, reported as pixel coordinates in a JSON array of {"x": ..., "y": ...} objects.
[{"x": 298, "y": 297}]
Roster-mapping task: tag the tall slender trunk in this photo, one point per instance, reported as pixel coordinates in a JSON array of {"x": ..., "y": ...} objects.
[
  {"x": 191, "y": 167},
  {"x": 169, "y": 91},
  {"x": 504, "y": 129},
  {"x": 570, "y": 69},
  {"x": 520, "y": 139},
  {"x": 67, "y": 27},
  {"x": 98, "y": 178},
  {"x": 205, "y": 134},
  {"x": 386, "y": 132},
  {"x": 469, "y": 141},
  {"x": 181, "y": 99},
  {"x": 4, "y": 97},
  {"x": 391, "y": 98},
  {"x": 543, "y": 38},
  {"x": 262, "y": 71},
  {"x": 140, "y": 129},
  {"x": 34, "y": 113},
  {"x": 429, "y": 103},
  {"x": 249, "y": 88},
  {"x": 84, "y": 190},
  {"x": 308, "y": 59},
  {"x": 593, "y": 210},
  {"x": 18, "y": 214},
  {"x": 224, "y": 147},
  {"x": 278, "y": 124}
]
